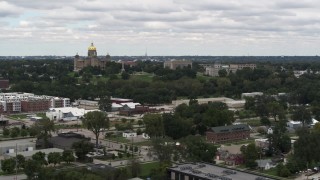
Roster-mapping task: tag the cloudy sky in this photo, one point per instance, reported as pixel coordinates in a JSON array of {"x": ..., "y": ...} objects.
[{"x": 163, "y": 27}]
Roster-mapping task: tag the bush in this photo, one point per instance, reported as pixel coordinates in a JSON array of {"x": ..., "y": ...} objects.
[
  {"x": 265, "y": 121},
  {"x": 14, "y": 132},
  {"x": 120, "y": 155},
  {"x": 261, "y": 130},
  {"x": 6, "y": 132},
  {"x": 24, "y": 132},
  {"x": 139, "y": 131}
]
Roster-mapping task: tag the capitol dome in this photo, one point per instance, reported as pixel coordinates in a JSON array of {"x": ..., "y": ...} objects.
[{"x": 92, "y": 47}]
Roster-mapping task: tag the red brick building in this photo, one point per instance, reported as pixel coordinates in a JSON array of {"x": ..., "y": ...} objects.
[
  {"x": 223, "y": 134},
  {"x": 35, "y": 105},
  {"x": 4, "y": 84}
]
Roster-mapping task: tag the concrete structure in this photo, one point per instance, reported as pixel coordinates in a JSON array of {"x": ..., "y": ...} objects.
[
  {"x": 174, "y": 64},
  {"x": 29, "y": 154},
  {"x": 63, "y": 140},
  {"x": 128, "y": 134},
  {"x": 252, "y": 94},
  {"x": 213, "y": 70},
  {"x": 91, "y": 59},
  {"x": 270, "y": 130},
  {"x": 20, "y": 145},
  {"x": 145, "y": 136},
  {"x": 262, "y": 143},
  {"x": 204, "y": 171},
  {"x": 67, "y": 113},
  {"x": 223, "y": 134}
]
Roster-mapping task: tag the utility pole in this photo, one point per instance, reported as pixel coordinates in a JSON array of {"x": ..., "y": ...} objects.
[{"x": 16, "y": 177}]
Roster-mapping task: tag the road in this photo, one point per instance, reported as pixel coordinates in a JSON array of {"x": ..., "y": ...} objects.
[{"x": 13, "y": 177}]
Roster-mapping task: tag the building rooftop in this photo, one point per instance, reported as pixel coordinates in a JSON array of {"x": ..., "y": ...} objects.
[
  {"x": 209, "y": 171},
  {"x": 18, "y": 142},
  {"x": 230, "y": 128},
  {"x": 30, "y": 153}
]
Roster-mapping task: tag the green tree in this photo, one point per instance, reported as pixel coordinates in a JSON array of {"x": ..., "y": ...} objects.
[
  {"x": 105, "y": 103},
  {"x": 31, "y": 168},
  {"x": 43, "y": 129},
  {"x": 301, "y": 113},
  {"x": 54, "y": 158},
  {"x": 6, "y": 132},
  {"x": 82, "y": 148},
  {"x": 21, "y": 161},
  {"x": 14, "y": 132},
  {"x": 222, "y": 73},
  {"x": 67, "y": 156},
  {"x": 8, "y": 165},
  {"x": 96, "y": 122},
  {"x": 154, "y": 125},
  {"x": 134, "y": 167},
  {"x": 40, "y": 157},
  {"x": 24, "y": 132},
  {"x": 125, "y": 75},
  {"x": 250, "y": 155}
]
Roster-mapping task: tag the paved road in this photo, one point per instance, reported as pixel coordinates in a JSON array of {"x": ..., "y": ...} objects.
[{"x": 13, "y": 177}]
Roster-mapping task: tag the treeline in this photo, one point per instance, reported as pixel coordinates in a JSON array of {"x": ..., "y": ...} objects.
[{"x": 56, "y": 77}]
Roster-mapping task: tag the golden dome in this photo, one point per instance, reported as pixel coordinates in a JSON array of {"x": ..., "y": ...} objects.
[{"x": 92, "y": 47}]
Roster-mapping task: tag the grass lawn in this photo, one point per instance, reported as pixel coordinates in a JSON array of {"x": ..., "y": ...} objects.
[
  {"x": 146, "y": 168},
  {"x": 43, "y": 115},
  {"x": 272, "y": 172},
  {"x": 17, "y": 116},
  {"x": 252, "y": 122},
  {"x": 143, "y": 77}
]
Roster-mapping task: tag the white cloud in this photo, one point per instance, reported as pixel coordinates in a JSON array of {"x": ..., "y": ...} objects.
[{"x": 215, "y": 27}]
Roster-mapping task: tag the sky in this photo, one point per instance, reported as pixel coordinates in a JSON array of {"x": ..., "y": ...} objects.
[{"x": 160, "y": 27}]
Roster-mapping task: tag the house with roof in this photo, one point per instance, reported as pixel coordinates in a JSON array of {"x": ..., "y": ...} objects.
[
  {"x": 265, "y": 164},
  {"x": 222, "y": 134}
]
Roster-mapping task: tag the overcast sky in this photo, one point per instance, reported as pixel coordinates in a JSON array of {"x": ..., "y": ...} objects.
[{"x": 163, "y": 27}]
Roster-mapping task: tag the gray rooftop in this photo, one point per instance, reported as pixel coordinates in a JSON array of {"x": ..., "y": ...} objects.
[
  {"x": 18, "y": 142},
  {"x": 230, "y": 128},
  {"x": 30, "y": 153},
  {"x": 209, "y": 171}
]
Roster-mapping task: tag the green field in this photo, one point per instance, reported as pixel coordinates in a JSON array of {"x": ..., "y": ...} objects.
[
  {"x": 17, "y": 116},
  {"x": 142, "y": 76},
  {"x": 146, "y": 168}
]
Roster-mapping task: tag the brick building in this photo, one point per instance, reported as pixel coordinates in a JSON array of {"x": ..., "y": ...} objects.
[
  {"x": 223, "y": 134},
  {"x": 34, "y": 105},
  {"x": 4, "y": 84}
]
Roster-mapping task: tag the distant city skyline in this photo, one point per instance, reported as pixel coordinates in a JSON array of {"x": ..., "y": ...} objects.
[{"x": 164, "y": 27}]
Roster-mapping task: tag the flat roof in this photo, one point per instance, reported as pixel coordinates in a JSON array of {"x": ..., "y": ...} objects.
[
  {"x": 209, "y": 171},
  {"x": 19, "y": 142},
  {"x": 30, "y": 153}
]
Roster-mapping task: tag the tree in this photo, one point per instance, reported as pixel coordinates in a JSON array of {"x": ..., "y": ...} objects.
[
  {"x": 301, "y": 113},
  {"x": 14, "y": 132},
  {"x": 21, "y": 161},
  {"x": 134, "y": 168},
  {"x": 31, "y": 168},
  {"x": 250, "y": 155},
  {"x": 105, "y": 103},
  {"x": 222, "y": 73},
  {"x": 6, "y": 132},
  {"x": 54, "y": 158},
  {"x": 96, "y": 121},
  {"x": 125, "y": 75},
  {"x": 154, "y": 125},
  {"x": 67, "y": 156},
  {"x": 40, "y": 157},
  {"x": 8, "y": 165},
  {"x": 24, "y": 132},
  {"x": 43, "y": 129},
  {"x": 82, "y": 148}
]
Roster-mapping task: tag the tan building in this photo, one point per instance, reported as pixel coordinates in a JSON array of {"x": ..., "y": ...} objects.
[
  {"x": 174, "y": 64},
  {"x": 91, "y": 59}
]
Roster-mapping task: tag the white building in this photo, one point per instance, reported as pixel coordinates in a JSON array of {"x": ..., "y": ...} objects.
[
  {"x": 294, "y": 124},
  {"x": 252, "y": 94},
  {"x": 66, "y": 113},
  {"x": 145, "y": 136},
  {"x": 128, "y": 134}
]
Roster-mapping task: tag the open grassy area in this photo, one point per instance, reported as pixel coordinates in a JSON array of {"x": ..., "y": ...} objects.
[
  {"x": 142, "y": 76},
  {"x": 17, "y": 116},
  {"x": 143, "y": 143},
  {"x": 146, "y": 168}
]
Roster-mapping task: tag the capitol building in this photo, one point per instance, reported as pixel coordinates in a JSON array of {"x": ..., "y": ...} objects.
[{"x": 91, "y": 59}]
